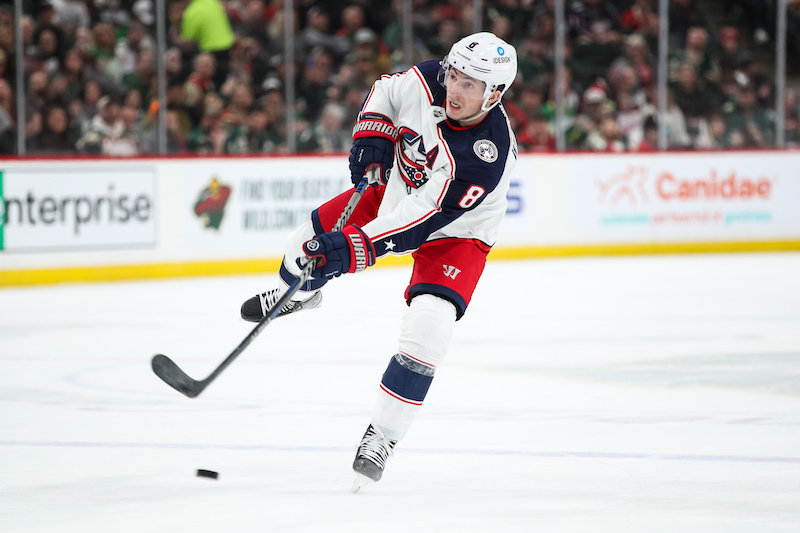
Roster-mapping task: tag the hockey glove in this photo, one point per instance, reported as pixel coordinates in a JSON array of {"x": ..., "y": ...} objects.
[
  {"x": 340, "y": 252},
  {"x": 374, "y": 137}
]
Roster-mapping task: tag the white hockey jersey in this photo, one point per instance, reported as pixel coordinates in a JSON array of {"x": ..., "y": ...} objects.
[{"x": 447, "y": 181}]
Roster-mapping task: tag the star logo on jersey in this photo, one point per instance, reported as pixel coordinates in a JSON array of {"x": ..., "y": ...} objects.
[
  {"x": 413, "y": 159},
  {"x": 389, "y": 244}
]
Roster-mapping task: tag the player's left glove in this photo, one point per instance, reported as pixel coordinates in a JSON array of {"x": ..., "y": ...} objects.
[
  {"x": 374, "y": 137},
  {"x": 340, "y": 252}
]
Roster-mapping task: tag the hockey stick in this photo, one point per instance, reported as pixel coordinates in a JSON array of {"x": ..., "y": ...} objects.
[{"x": 172, "y": 375}]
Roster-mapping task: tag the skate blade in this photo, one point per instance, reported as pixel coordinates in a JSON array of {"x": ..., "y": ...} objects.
[{"x": 360, "y": 482}]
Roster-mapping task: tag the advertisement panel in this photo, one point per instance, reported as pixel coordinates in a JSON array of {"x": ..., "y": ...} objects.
[
  {"x": 248, "y": 207},
  {"x": 686, "y": 197},
  {"x": 63, "y": 208}
]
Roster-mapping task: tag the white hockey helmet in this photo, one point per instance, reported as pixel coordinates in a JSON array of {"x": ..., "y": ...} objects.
[{"x": 485, "y": 57}]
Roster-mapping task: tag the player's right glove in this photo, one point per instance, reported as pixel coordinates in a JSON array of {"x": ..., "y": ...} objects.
[
  {"x": 374, "y": 137},
  {"x": 340, "y": 252}
]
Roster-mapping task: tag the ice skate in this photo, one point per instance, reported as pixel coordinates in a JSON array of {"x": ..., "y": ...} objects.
[
  {"x": 256, "y": 308},
  {"x": 371, "y": 457}
]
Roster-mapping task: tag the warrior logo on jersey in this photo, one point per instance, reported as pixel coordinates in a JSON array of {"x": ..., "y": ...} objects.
[
  {"x": 486, "y": 150},
  {"x": 413, "y": 159}
]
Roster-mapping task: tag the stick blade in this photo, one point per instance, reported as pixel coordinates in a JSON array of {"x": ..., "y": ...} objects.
[{"x": 172, "y": 375}]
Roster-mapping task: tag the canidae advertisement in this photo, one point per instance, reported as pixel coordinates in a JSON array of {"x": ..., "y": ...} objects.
[
  {"x": 62, "y": 208},
  {"x": 685, "y": 197}
]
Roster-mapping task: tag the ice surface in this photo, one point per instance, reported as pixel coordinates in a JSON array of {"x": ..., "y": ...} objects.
[{"x": 637, "y": 394}]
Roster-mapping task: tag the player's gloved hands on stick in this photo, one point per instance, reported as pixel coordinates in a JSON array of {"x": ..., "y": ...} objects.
[
  {"x": 374, "y": 137},
  {"x": 340, "y": 252}
]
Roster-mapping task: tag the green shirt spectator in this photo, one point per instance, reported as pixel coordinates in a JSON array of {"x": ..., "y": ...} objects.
[{"x": 206, "y": 23}]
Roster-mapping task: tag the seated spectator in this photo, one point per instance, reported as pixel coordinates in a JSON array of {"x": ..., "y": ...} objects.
[
  {"x": 696, "y": 53},
  {"x": 641, "y": 18},
  {"x": 209, "y": 136},
  {"x": 176, "y": 138},
  {"x": 317, "y": 34},
  {"x": 607, "y": 137},
  {"x": 33, "y": 129},
  {"x": 240, "y": 106},
  {"x": 199, "y": 83},
  {"x": 56, "y": 138},
  {"x": 715, "y": 134},
  {"x": 7, "y": 119},
  {"x": 693, "y": 98},
  {"x": 649, "y": 142},
  {"x": 729, "y": 57},
  {"x": 535, "y": 65},
  {"x": 107, "y": 132},
  {"x": 595, "y": 108},
  {"x": 792, "y": 115},
  {"x": 45, "y": 54},
  {"x": 127, "y": 49},
  {"x": 638, "y": 55},
  {"x": 748, "y": 124},
  {"x": 684, "y": 14},
  {"x": 594, "y": 28},
  {"x": 143, "y": 75},
  {"x": 329, "y": 134},
  {"x": 536, "y": 134}
]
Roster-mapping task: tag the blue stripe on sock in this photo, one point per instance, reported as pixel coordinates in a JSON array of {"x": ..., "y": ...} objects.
[{"x": 406, "y": 383}]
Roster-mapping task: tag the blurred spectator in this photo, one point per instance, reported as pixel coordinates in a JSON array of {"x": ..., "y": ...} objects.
[
  {"x": 176, "y": 138},
  {"x": 607, "y": 137},
  {"x": 692, "y": 97},
  {"x": 535, "y": 65},
  {"x": 328, "y": 135},
  {"x": 792, "y": 124},
  {"x": 199, "y": 83},
  {"x": 317, "y": 33},
  {"x": 33, "y": 130},
  {"x": 649, "y": 142},
  {"x": 107, "y": 133},
  {"x": 7, "y": 121},
  {"x": 696, "y": 53},
  {"x": 730, "y": 56},
  {"x": 536, "y": 134},
  {"x": 748, "y": 124},
  {"x": 594, "y": 27},
  {"x": 313, "y": 87},
  {"x": 210, "y": 135},
  {"x": 642, "y": 18},
  {"x": 71, "y": 14},
  {"x": 251, "y": 137},
  {"x": 684, "y": 14},
  {"x": 714, "y": 135},
  {"x": 205, "y": 23},
  {"x": 143, "y": 75},
  {"x": 638, "y": 55},
  {"x": 595, "y": 108},
  {"x": 127, "y": 49},
  {"x": 56, "y": 138},
  {"x": 45, "y": 54},
  {"x": 241, "y": 103}
]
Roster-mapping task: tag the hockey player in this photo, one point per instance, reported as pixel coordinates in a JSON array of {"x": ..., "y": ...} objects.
[{"x": 439, "y": 130}]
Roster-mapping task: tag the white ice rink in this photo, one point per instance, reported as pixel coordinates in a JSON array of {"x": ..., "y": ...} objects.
[{"x": 624, "y": 395}]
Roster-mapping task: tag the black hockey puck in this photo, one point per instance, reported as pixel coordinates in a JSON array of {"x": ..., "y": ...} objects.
[{"x": 207, "y": 473}]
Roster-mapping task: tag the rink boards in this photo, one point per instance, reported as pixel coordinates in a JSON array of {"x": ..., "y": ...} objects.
[{"x": 85, "y": 220}]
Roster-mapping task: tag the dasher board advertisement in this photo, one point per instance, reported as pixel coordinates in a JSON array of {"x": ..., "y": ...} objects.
[
  {"x": 684, "y": 197},
  {"x": 68, "y": 208},
  {"x": 248, "y": 207}
]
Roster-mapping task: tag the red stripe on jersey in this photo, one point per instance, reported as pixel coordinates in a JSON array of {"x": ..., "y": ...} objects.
[
  {"x": 395, "y": 396},
  {"x": 420, "y": 220},
  {"x": 424, "y": 85}
]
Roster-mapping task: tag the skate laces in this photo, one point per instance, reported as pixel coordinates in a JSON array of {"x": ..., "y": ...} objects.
[
  {"x": 270, "y": 298},
  {"x": 376, "y": 447}
]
